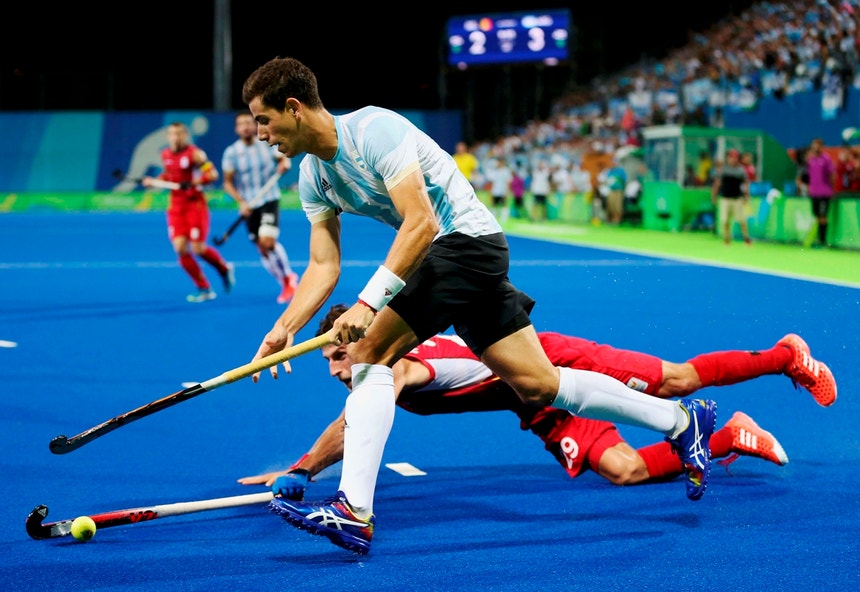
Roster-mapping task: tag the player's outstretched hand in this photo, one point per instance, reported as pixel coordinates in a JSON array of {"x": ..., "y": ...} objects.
[
  {"x": 275, "y": 340},
  {"x": 266, "y": 479},
  {"x": 292, "y": 485}
]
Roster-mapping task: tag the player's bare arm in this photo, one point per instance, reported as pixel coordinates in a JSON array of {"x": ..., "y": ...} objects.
[
  {"x": 230, "y": 189},
  {"x": 315, "y": 286},
  {"x": 209, "y": 174},
  {"x": 407, "y": 251}
]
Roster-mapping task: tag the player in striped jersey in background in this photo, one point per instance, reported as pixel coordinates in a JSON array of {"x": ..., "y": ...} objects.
[{"x": 247, "y": 164}]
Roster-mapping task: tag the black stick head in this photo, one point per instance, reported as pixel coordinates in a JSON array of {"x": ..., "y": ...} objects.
[
  {"x": 34, "y": 523},
  {"x": 59, "y": 445},
  {"x": 218, "y": 240},
  {"x": 117, "y": 174}
]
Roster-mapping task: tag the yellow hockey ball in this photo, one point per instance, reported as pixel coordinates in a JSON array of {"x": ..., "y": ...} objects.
[{"x": 83, "y": 528}]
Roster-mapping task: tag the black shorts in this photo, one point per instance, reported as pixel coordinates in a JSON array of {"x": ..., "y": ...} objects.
[
  {"x": 540, "y": 199},
  {"x": 463, "y": 282},
  {"x": 820, "y": 205},
  {"x": 499, "y": 200},
  {"x": 266, "y": 214}
]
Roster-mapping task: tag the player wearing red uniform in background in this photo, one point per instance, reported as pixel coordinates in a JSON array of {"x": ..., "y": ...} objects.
[
  {"x": 443, "y": 376},
  {"x": 188, "y": 211}
]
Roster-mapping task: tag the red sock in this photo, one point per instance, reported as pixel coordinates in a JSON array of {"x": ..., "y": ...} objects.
[
  {"x": 730, "y": 367},
  {"x": 189, "y": 264},
  {"x": 662, "y": 463},
  {"x": 721, "y": 443},
  {"x": 214, "y": 258}
]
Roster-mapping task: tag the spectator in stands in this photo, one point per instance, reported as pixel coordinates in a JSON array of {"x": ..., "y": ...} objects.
[
  {"x": 749, "y": 166},
  {"x": 540, "y": 187},
  {"x": 615, "y": 180},
  {"x": 499, "y": 176},
  {"x": 466, "y": 161},
  {"x": 690, "y": 179},
  {"x": 518, "y": 190},
  {"x": 704, "y": 168},
  {"x": 846, "y": 178}
]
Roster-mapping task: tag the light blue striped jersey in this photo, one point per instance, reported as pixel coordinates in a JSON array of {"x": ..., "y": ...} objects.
[
  {"x": 253, "y": 165},
  {"x": 376, "y": 149}
]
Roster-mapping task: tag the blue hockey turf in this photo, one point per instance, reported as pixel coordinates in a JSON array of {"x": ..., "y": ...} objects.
[{"x": 94, "y": 323}]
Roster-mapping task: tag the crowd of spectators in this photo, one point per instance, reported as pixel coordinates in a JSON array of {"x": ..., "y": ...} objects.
[{"x": 771, "y": 49}]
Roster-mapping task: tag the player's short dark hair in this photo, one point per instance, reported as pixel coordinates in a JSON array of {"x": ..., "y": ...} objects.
[
  {"x": 328, "y": 320},
  {"x": 280, "y": 79}
]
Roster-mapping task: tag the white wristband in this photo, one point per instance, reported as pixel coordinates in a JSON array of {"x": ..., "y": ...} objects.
[{"x": 381, "y": 288}]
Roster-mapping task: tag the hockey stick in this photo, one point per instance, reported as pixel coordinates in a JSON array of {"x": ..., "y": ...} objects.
[
  {"x": 159, "y": 183},
  {"x": 53, "y": 530},
  {"x": 62, "y": 444},
  {"x": 220, "y": 240}
]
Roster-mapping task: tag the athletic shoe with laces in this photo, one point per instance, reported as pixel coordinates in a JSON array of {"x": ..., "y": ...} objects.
[
  {"x": 808, "y": 372},
  {"x": 748, "y": 439},
  {"x": 229, "y": 277},
  {"x": 201, "y": 296},
  {"x": 692, "y": 444},
  {"x": 290, "y": 283},
  {"x": 333, "y": 518}
]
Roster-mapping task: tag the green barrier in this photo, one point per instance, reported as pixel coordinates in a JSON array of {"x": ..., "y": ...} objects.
[
  {"x": 790, "y": 220},
  {"x": 138, "y": 201},
  {"x": 666, "y": 206}
]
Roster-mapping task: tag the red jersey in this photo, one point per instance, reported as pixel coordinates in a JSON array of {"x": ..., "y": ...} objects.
[
  {"x": 460, "y": 383},
  {"x": 179, "y": 168}
]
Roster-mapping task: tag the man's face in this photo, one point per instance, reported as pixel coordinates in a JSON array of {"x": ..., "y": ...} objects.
[
  {"x": 339, "y": 363},
  {"x": 177, "y": 138},
  {"x": 246, "y": 127},
  {"x": 276, "y": 128}
]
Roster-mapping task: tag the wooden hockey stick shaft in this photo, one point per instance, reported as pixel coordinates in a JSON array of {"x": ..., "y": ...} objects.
[{"x": 62, "y": 444}]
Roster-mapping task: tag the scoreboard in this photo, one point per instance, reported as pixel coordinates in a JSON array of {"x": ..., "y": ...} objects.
[{"x": 517, "y": 37}]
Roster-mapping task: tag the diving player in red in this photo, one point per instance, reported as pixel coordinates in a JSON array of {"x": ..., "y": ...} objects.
[
  {"x": 188, "y": 210},
  {"x": 443, "y": 376}
]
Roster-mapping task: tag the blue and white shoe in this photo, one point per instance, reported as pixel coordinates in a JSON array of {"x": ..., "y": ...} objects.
[
  {"x": 201, "y": 296},
  {"x": 333, "y": 518},
  {"x": 229, "y": 277},
  {"x": 692, "y": 445}
]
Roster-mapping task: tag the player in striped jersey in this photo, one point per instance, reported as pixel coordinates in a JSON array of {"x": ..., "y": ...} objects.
[
  {"x": 247, "y": 164},
  {"x": 447, "y": 267}
]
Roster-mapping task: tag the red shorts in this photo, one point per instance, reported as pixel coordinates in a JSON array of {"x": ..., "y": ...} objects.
[
  {"x": 577, "y": 443},
  {"x": 641, "y": 372},
  {"x": 189, "y": 219}
]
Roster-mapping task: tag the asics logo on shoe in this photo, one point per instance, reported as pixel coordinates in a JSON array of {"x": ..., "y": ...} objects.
[
  {"x": 697, "y": 451},
  {"x": 325, "y": 517}
]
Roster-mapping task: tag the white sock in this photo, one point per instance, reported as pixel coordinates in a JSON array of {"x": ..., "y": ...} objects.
[
  {"x": 270, "y": 264},
  {"x": 277, "y": 263},
  {"x": 597, "y": 396},
  {"x": 283, "y": 261},
  {"x": 369, "y": 414}
]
